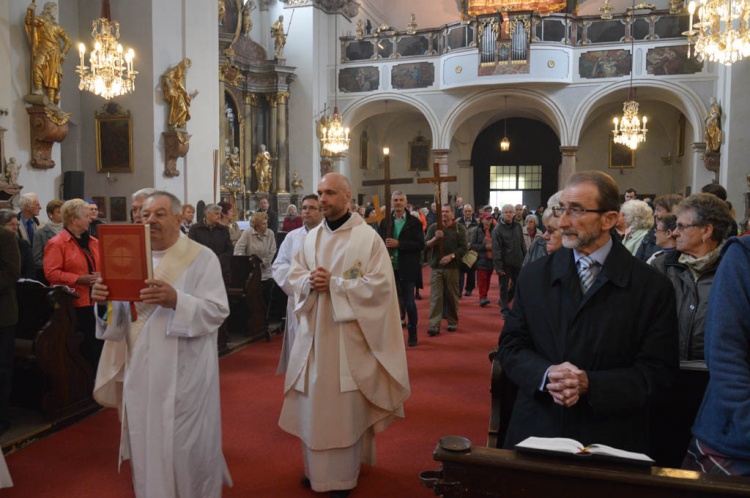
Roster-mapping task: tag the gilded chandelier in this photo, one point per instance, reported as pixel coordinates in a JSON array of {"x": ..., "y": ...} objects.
[
  {"x": 628, "y": 131},
  {"x": 335, "y": 136},
  {"x": 111, "y": 72},
  {"x": 721, "y": 33}
]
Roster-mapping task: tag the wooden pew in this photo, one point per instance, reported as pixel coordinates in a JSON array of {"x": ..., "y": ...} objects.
[
  {"x": 247, "y": 305},
  {"x": 495, "y": 473},
  {"x": 49, "y": 372}
]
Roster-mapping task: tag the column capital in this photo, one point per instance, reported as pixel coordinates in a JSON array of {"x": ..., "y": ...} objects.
[
  {"x": 282, "y": 97},
  {"x": 273, "y": 99},
  {"x": 569, "y": 150}
]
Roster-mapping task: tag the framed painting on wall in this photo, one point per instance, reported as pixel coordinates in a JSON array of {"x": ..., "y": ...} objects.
[
  {"x": 620, "y": 156},
  {"x": 118, "y": 209},
  {"x": 114, "y": 140},
  {"x": 419, "y": 154}
]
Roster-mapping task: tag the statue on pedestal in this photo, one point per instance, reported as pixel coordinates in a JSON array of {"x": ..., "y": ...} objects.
[
  {"x": 262, "y": 167},
  {"x": 712, "y": 135},
  {"x": 49, "y": 44},
  {"x": 173, "y": 86},
  {"x": 279, "y": 37}
]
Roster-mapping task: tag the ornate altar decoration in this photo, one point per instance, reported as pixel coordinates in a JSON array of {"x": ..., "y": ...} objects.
[
  {"x": 255, "y": 84},
  {"x": 474, "y": 8},
  {"x": 262, "y": 166},
  {"x": 9, "y": 187},
  {"x": 176, "y": 140},
  {"x": 49, "y": 44}
]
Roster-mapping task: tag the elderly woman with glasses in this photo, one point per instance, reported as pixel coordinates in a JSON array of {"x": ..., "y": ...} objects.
[{"x": 703, "y": 224}]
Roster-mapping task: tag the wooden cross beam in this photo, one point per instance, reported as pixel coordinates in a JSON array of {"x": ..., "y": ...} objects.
[
  {"x": 376, "y": 215},
  {"x": 438, "y": 181},
  {"x": 387, "y": 181}
]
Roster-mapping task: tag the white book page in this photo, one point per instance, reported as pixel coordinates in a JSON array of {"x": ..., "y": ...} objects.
[
  {"x": 602, "y": 449},
  {"x": 561, "y": 444}
]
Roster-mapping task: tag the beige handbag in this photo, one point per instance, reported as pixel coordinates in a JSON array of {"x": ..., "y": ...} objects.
[{"x": 469, "y": 258}]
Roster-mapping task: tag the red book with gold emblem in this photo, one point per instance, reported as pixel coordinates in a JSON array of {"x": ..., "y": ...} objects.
[{"x": 125, "y": 259}]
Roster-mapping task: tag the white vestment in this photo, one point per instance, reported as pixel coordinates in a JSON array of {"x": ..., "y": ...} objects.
[
  {"x": 5, "y": 480},
  {"x": 289, "y": 248},
  {"x": 171, "y": 412},
  {"x": 347, "y": 375}
]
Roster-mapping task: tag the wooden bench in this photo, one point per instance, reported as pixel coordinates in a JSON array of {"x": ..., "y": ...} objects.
[
  {"x": 247, "y": 304},
  {"x": 495, "y": 473},
  {"x": 50, "y": 374}
]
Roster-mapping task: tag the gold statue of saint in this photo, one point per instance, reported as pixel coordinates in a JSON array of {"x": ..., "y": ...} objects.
[
  {"x": 712, "y": 136},
  {"x": 279, "y": 37},
  {"x": 247, "y": 21},
  {"x": 222, "y": 12},
  {"x": 47, "y": 55},
  {"x": 173, "y": 86},
  {"x": 262, "y": 167}
]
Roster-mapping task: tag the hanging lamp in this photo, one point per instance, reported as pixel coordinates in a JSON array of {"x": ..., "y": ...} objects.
[
  {"x": 630, "y": 130},
  {"x": 505, "y": 143},
  {"x": 335, "y": 136},
  {"x": 110, "y": 72}
]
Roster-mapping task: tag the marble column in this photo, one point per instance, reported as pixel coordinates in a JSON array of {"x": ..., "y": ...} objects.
[
  {"x": 466, "y": 181},
  {"x": 282, "y": 129},
  {"x": 272, "y": 144},
  {"x": 568, "y": 164},
  {"x": 255, "y": 139},
  {"x": 247, "y": 139},
  {"x": 440, "y": 156}
]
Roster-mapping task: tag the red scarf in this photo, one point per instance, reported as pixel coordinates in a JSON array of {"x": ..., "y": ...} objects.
[{"x": 487, "y": 235}]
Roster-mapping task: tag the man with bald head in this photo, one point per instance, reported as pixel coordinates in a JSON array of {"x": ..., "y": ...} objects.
[{"x": 346, "y": 378}]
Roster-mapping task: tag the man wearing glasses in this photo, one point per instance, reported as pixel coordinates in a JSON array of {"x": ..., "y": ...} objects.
[{"x": 592, "y": 338}]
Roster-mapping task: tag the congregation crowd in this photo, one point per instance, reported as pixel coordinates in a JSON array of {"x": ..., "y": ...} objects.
[{"x": 646, "y": 270}]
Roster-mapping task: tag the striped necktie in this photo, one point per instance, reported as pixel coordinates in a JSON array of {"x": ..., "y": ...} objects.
[{"x": 585, "y": 273}]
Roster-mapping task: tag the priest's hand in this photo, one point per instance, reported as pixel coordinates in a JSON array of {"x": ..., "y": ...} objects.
[
  {"x": 391, "y": 243},
  {"x": 567, "y": 383},
  {"x": 99, "y": 291},
  {"x": 160, "y": 293},
  {"x": 320, "y": 279}
]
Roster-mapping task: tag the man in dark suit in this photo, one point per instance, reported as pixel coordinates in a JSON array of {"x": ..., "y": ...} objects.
[
  {"x": 10, "y": 271},
  {"x": 405, "y": 244},
  {"x": 593, "y": 353},
  {"x": 273, "y": 216}
]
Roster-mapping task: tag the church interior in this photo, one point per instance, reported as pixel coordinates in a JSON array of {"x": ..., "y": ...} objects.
[{"x": 236, "y": 100}]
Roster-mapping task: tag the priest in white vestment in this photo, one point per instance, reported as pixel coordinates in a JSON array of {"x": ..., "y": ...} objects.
[
  {"x": 347, "y": 376},
  {"x": 162, "y": 370},
  {"x": 311, "y": 217}
]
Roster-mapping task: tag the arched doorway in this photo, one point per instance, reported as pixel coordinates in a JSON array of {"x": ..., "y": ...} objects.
[{"x": 527, "y": 172}]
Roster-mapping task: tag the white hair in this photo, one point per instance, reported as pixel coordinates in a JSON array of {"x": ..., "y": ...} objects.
[
  {"x": 637, "y": 214},
  {"x": 144, "y": 192},
  {"x": 26, "y": 200}
]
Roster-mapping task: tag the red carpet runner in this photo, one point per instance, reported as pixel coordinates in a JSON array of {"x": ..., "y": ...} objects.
[{"x": 450, "y": 378}]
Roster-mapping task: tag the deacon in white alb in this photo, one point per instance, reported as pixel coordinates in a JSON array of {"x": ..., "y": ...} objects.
[
  {"x": 311, "y": 217},
  {"x": 162, "y": 370}
]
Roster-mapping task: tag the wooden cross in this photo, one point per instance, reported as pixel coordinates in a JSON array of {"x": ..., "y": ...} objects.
[
  {"x": 376, "y": 215},
  {"x": 438, "y": 180},
  {"x": 387, "y": 181}
]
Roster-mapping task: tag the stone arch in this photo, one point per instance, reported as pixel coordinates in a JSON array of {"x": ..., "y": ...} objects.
[
  {"x": 681, "y": 97},
  {"x": 542, "y": 107},
  {"x": 362, "y": 109}
]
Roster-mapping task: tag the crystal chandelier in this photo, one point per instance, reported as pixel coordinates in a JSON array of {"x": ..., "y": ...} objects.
[
  {"x": 629, "y": 130},
  {"x": 722, "y": 33},
  {"x": 335, "y": 136},
  {"x": 110, "y": 73}
]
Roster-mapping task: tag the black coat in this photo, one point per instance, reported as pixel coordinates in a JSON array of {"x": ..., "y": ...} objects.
[
  {"x": 10, "y": 271},
  {"x": 217, "y": 239},
  {"x": 623, "y": 333},
  {"x": 410, "y": 244}
]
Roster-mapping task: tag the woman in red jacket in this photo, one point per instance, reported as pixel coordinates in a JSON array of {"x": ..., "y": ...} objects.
[{"x": 71, "y": 258}]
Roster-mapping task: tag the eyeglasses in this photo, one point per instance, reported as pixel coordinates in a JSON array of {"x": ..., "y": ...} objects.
[
  {"x": 574, "y": 211},
  {"x": 682, "y": 227}
]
